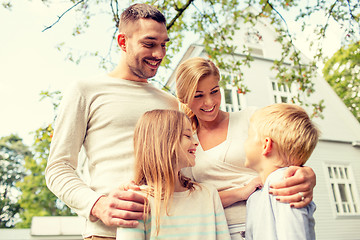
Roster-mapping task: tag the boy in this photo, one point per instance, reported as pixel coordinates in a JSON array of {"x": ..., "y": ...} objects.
[{"x": 280, "y": 135}]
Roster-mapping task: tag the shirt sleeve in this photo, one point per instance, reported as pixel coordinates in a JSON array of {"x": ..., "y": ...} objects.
[
  {"x": 222, "y": 229},
  {"x": 68, "y": 137},
  {"x": 294, "y": 223}
]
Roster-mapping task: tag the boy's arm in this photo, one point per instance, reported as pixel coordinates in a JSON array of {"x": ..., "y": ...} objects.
[
  {"x": 229, "y": 197},
  {"x": 297, "y": 179},
  {"x": 293, "y": 223}
]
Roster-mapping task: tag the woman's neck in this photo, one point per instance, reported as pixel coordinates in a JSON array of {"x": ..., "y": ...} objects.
[{"x": 205, "y": 125}]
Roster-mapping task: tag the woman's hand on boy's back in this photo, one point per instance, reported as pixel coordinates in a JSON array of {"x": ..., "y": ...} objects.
[
  {"x": 122, "y": 207},
  {"x": 296, "y": 188}
]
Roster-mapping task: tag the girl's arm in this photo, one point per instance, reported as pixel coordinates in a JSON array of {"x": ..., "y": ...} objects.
[
  {"x": 297, "y": 179},
  {"x": 229, "y": 197}
]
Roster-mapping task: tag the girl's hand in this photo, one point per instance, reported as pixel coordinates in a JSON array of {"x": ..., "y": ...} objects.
[
  {"x": 229, "y": 197},
  {"x": 251, "y": 187},
  {"x": 296, "y": 188}
]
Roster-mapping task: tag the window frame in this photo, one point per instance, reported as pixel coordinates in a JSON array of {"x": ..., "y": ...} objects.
[
  {"x": 278, "y": 93},
  {"x": 348, "y": 181},
  {"x": 238, "y": 99}
]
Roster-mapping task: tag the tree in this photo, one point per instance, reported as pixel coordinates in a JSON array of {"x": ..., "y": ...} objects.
[
  {"x": 13, "y": 154},
  {"x": 342, "y": 71},
  {"x": 214, "y": 22},
  {"x": 36, "y": 198}
]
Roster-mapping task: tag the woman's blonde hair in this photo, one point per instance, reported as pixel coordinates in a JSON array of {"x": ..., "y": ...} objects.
[
  {"x": 157, "y": 146},
  {"x": 188, "y": 75}
]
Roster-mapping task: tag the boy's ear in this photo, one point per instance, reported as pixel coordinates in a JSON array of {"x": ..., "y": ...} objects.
[
  {"x": 122, "y": 41},
  {"x": 267, "y": 146}
]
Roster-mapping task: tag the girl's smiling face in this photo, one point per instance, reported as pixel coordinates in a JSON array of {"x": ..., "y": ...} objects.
[
  {"x": 188, "y": 146},
  {"x": 207, "y": 99}
]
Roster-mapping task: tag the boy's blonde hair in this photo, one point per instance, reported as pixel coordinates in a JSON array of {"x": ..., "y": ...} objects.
[
  {"x": 291, "y": 130},
  {"x": 188, "y": 75},
  {"x": 157, "y": 139}
]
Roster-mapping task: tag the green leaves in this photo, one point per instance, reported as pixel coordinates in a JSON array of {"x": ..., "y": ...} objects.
[
  {"x": 12, "y": 157},
  {"x": 342, "y": 72}
]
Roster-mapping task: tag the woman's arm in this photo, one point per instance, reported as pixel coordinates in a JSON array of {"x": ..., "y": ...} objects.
[
  {"x": 297, "y": 179},
  {"x": 229, "y": 197}
]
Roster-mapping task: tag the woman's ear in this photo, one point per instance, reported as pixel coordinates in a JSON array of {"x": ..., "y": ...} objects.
[
  {"x": 267, "y": 146},
  {"x": 122, "y": 41}
]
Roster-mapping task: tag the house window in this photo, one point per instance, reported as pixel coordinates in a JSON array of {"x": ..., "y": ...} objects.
[
  {"x": 231, "y": 99},
  {"x": 282, "y": 93},
  {"x": 343, "y": 190}
]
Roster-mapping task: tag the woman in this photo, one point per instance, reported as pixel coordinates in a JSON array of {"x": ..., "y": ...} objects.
[{"x": 220, "y": 155}]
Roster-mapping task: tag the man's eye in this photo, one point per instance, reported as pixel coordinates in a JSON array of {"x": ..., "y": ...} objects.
[{"x": 148, "y": 45}]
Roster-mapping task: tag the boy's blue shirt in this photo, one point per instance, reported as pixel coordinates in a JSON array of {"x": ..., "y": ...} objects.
[{"x": 269, "y": 219}]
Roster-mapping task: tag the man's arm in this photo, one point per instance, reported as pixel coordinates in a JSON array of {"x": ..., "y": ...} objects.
[
  {"x": 297, "y": 179},
  {"x": 121, "y": 207},
  {"x": 61, "y": 176}
]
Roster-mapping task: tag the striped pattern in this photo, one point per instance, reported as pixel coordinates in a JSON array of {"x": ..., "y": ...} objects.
[{"x": 198, "y": 215}]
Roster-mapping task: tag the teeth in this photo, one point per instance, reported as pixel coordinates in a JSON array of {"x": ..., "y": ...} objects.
[
  {"x": 152, "y": 63},
  {"x": 208, "y": 110}
]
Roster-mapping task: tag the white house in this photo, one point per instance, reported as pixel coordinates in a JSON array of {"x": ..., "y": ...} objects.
[{"x": 336, "y": 159}]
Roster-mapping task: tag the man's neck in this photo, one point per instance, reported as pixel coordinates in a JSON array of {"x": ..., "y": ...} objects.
[{"x": 122, "y": 72}]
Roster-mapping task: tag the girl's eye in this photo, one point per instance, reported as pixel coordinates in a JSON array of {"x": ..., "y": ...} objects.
[
  {"x": 198, "y": 96},
  {"x": 215, "y": 91},
  {"x": 188, "y": 136}
]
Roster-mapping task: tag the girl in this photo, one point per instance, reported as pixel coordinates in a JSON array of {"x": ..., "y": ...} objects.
[
  {"x": 180, "y": 208},
  {"x": 221, "y": 156}
]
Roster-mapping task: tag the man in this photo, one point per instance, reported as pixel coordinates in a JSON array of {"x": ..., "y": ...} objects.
[{"x": 101, "y": 114}]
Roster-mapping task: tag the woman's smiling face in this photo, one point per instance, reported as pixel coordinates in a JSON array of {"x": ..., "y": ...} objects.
[{"x": 207, "y": 99}]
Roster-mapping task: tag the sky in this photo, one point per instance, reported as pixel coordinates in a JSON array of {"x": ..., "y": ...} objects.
[{"x": 30, "y": 62}]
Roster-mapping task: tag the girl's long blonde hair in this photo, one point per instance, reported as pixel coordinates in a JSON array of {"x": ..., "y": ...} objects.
[
  {"x": 157, "y": 146},
  {"x": 188, "y": 75}
]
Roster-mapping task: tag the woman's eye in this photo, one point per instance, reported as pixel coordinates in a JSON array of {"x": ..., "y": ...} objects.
[
  {"x": 215, "y": 91},
  {"x": 198, "y": 96}
]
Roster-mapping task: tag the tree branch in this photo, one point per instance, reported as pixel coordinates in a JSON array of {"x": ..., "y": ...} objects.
[
  {"x": 115, "y": 14},
  {"x": 180, "y": 11},
  {"x": 59, "y": 17}
]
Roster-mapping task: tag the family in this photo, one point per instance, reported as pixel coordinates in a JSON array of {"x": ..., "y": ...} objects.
[{"x": 145, "y": 181}]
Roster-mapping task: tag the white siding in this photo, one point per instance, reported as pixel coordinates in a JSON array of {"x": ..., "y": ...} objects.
[{"x": 328, "y": 225}]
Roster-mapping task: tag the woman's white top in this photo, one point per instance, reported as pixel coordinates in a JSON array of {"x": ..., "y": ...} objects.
[{"x": 223, "y": 165}]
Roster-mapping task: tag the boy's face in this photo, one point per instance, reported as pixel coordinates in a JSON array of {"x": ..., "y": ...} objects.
[{"x": 253, "y": 149}]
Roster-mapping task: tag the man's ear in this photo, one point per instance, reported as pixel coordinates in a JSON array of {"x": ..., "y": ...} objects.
[
  {"x": 121, "y": 39},
  {"x": 267, "y": 146}
]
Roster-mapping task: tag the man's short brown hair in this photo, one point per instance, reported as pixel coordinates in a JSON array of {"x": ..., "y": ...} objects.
[{"x": 138, "y": 11}]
